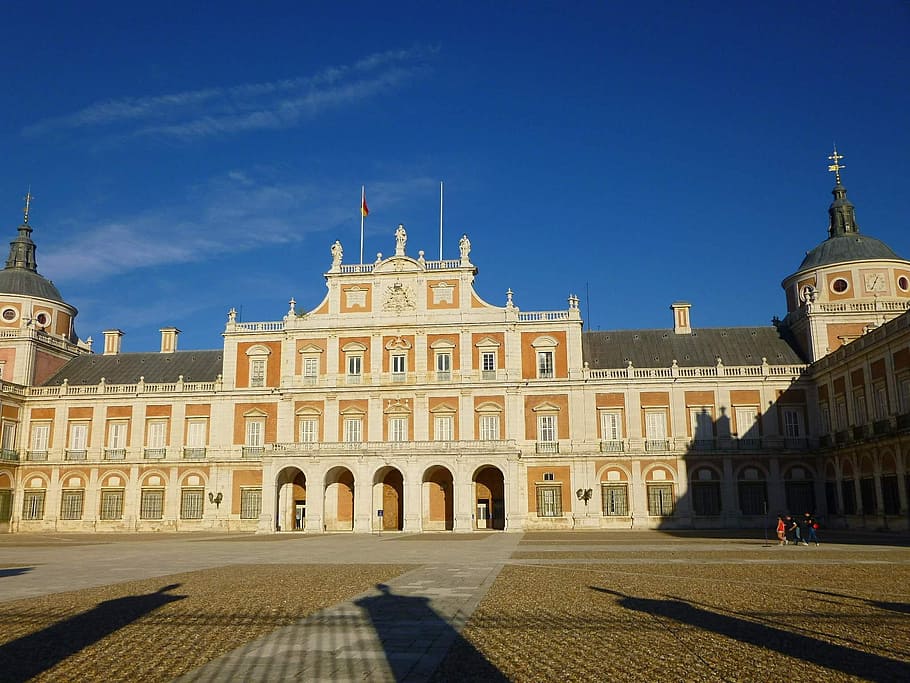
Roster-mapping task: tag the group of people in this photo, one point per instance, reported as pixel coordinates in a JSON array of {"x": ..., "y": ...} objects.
[{"x": 797, "y": 531}]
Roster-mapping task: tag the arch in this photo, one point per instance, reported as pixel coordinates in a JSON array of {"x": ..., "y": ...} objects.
[
  {"x": 193, "y": 478},
  {"x": 704, "y": 488},
  {"x": 799, "y": 488},
  {"x": 338, "y": 511},
  {"x": 388, "y": 496},
  {"x": 489, "y": 498},
  {"x": 438, "y": 500},
  {"x": 290, "y": 499},
  {"x": 752, "y": 489},
  {"x": 653, "y": 473}
]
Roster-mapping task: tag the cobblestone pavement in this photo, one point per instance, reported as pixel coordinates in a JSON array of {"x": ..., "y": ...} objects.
[{"x": 537, "y": 607}]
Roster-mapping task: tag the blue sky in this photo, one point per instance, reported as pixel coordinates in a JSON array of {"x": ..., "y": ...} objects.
[{"x": 185, "y": 160}]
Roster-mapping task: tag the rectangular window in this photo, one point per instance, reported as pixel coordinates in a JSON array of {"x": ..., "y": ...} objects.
[
  {"x": 443, "y": 367},
  {"x": 610, "y": 426},
  {"x": 702, "y": 423},
  {"x": 308, "y": 427},
  {"x": 489, "y": 427},
  {"x": 825, "y": 416},
  {"x": 33, "y": 504},
  {"x": 660, "y": 500},
  {"x": 151, "y": 504},
  {"x": 250, "y": 503},
  {"x": 191, "y": 501},
  {"x": 904, "y": 391},
  {"x": 257, "y": 372},
  {"x": 546, "y": 428},
  {"x": 488, "y": 365},
  {"x": 41, "y": 434},
  {"x": 840, "y": 413},
  {"x": 792, "y": 423},
  {"x": 8, "y": 440},
  {"x": 196, "y": 433},
  {"x": 255, "y": 430},
  {"x": 399, "y": 364},
  {"x": 355, "y": 369},
  {"x": 443, "y": 428},
  {"x": 78, "y": 436},
  {"x": 71, "y": 504},
  {"x": 859, "y": 408},
  {"x": 656, "y": 431},
  {"x": 549, "y": 501},
  {"x": 353, "y": 427},
  {"x": 545, "y": 364},
  {"x": 156, "y": 435},
  {"x": 111, "y": 504},
  {"x": 311, "y": 369},
  {"x": 615, "y": 500},
  {"x": 116, "y": 435},
  {"x": 398, "y": 429},
  {"x": 746, "y": 422},
  {"x": 880, "y": 401}
]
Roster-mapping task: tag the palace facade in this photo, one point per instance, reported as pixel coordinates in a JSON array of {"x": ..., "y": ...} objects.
[{"x": 403, "y": 401}]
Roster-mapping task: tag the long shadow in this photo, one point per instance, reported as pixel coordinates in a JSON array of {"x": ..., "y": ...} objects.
[
  {"x": 15, "y": 571},
  {"x": 848, "y": 660},
  {"x": 415, "y": 641},
  {"x": 900, "y": 607},
  {"x": 35, "y": 653}
]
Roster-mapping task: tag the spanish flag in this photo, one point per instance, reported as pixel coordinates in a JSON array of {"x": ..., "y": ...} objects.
[{"x": 364, "y": 211}]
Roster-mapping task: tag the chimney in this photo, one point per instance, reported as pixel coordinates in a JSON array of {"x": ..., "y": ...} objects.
[
  {"x": 169, "y": 339},
  {"x": 112, "y": 339},
  {"x": 681, "y": 324}
]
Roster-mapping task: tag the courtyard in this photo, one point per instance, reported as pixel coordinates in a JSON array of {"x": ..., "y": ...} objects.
[{"x": 546, "y": 606}]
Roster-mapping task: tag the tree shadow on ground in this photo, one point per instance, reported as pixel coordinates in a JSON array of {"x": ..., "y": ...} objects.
[
  {"x": 30, "y": 655},
  {"x": 848, "y": 660},
  {"x": 415, "y": 641}
]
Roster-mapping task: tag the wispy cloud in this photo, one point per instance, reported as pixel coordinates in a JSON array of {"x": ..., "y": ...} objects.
[
  {"x": 276, "y": 104},
  {"x": 237, "y": 212}
]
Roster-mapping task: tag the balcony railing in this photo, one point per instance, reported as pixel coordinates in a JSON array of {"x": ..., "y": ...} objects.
[
  {"x": 253, "y": 451},
  {"x": 547, "y": 447},
  {"x": 703, "y": 444},
  {"x": 488, "y": 374},
  {"x": 612, "y": 446},
  {"x": 880, "y": 427},
  {"x": 749, "y": 444},
  {"x": 36, "y": 456},
  {"x": 443, "y": 376},
  {"x": 903, "y": 421},
  {"x": 384, "y": 447},
  {"x": 154, "y": 453},
  {"x": 860, "y": 432},
  {"x": 192, "y": 453},
  {"x": 114, "y": 453},
  {"x": 74, "y": 455},
  {"x": 9, "y": 455},
  {"x": 657, "y": 445},
  {"x": 792, "y": 443}
]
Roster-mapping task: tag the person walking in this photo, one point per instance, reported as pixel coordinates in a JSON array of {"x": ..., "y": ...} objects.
[
  {"x": 810, "y": 525},
  {"x": 781, "y": 531},
  {"x": 793, "y": 530}
]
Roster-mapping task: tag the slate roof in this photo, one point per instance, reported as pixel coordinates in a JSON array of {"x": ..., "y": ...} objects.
[
  {"x": 659, "y": 348},
  {"x": 28, "y": 283},
  {"x": 127, "y": 368},
  {"x": 845, "y": 248}
]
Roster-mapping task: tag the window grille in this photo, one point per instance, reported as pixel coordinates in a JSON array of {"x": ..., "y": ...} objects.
[
  {"x": 706, "y": 497},
  {"x": 549, "y": 501},
  {"x": 191, "y": 502},
  {"x": 33, "y": 505},
  {"x": 660, "y": 500},
  {"x": 112, "y": 504},
  {"x": 71, "y": 504},
  {"x": 615, "y": 500},
  {"x": 151, "y": 505},
  {"x": 753, "y": 497},
  {"x": 250, "y": 503}
]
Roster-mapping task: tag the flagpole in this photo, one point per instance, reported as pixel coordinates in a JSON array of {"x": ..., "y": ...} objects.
[
  {"x": 440, "y": 220},
  {"x": 363, "y": 199}
]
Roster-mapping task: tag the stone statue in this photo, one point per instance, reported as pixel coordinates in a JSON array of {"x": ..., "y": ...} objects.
[
  {"x": 337, "y": 253},
  {"x": 464, "y": 246},
  {"x": 401, "y": 239}
]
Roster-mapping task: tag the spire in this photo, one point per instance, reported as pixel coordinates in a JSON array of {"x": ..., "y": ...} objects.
[
  {"x": 842, "y": 216},
  {"x": 22, "y": 249}
]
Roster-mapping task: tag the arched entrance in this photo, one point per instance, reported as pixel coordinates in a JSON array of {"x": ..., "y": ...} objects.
[
  {"x": 290, "y": 500},
  {"x": 339, "y": 500},
  {"x": 438, "y": 500},
  {"x": 489, "y": 498},
  {"x": 388, "y": 496}
]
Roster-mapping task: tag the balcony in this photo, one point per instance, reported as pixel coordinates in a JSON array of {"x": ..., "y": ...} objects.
[
  {"x": 841, "y": 436},
  {"x": 9, "y": 455},
  {"x": 252, "y": 451},
  {"x": 792, "y": 443},
  {"x": 703, "y": 444},
  {"x": 354, "y": 379},
  {"x": 652, "y": 445},
  {"x": 748, "y": 444},
  {"x": 36, "y": 456},
  {"x": 903, "y": 422},
  {"x": 114, "y": 453},
  {"x": 194, "y": 453},
  {"x": 399, "y": 377},
  {"x": 613, "y": 446},
  {"x": 826, "y": 441},
  {"x": 443, "y": 376},
  {"x": 154, "y": 453},
  {"x": 382, "y": 448},
  {"x": 488, "y": 374},
  {"x": 881, "y": 427},
  {"x": 74, "y": 455},
  {"x": 860, "y": 432},
  {"x": 547, "y": 447}
]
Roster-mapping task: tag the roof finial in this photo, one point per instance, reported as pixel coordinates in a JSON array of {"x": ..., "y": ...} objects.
[
  {"x": 28, "y": 204},
  {"x": 836, "y": 166}
]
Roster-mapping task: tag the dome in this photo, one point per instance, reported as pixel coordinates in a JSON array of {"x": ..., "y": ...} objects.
[
  {"x": 847, "y": 247},
  {"x": 24, "y": 282}
]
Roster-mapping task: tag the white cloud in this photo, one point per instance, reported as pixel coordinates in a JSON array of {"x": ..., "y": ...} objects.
[{"x": 217, "y": 110}]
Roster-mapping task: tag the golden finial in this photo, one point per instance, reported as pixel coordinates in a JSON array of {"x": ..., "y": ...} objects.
[
  {"x": 28, "y": 203},
  {"x": 836, "y": 166}
]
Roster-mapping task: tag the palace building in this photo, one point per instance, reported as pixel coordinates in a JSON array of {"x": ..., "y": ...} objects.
[{"x": 403, "y": 401}]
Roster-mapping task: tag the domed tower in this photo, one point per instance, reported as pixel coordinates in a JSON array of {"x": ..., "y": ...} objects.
[
  {"x": 847, "y": 285},
  {"x": 37, "y": 335}
]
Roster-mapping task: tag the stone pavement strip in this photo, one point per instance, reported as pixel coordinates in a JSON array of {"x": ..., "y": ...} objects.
[{"x": 399, "y": 632}]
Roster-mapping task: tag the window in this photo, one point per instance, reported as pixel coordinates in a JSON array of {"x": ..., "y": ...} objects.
[
  {"x": 825, "y": 416},
  {"x": 353, "y": 427},
  {"x": 8, "y": 439},
  {"x": 610, "y": 431},
  {"x": 116, "y": 440},
  {"x": 257, "y": 372},
  {"x": 250, "y": 503},
  {"x": 254, "y": 438},
  {"x": 656, "y": 430},
  {"x": 398, "y": 429},
  {"x": 156, "y": 436},
  {"x": 840, "y": 413},
  {"x": 71, "y": 504},
  {"x": 879, "y": 402},
  {"x": 546, "y": 428},
  {"x": 792, "y": 423},
  {"x": 443, "y": 428},
  {"x": 399, "y": 367},
  {"x": 615, "y": 500},
  {"x": 40, "y": 437},
  {"x": 549, "y": 501},
  {"x": 706, "y": 492},
  {"x": 191, "y": 502},
  {"x": 859, "y": 408},
  {"x": 702, "y": 424},
  {"x": 489, "y": 427},
  {"x": 355, "y": 368},
  {"x": 904, "y": 391},
  {"x": 33, "y": 504},
  {"x": 488, "y": 365},
  {"x": 308, "y": 427},
  {"x": 545, "y": 364},
  {"x": 660, "y": 500},
  {"x": 151, "y": 504},
  {"x": 111, "y": 504},
  {"x": 79, "y": 437},
  {"x": 443, "y": 366},
  {"x": 310, "y": 369}
]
